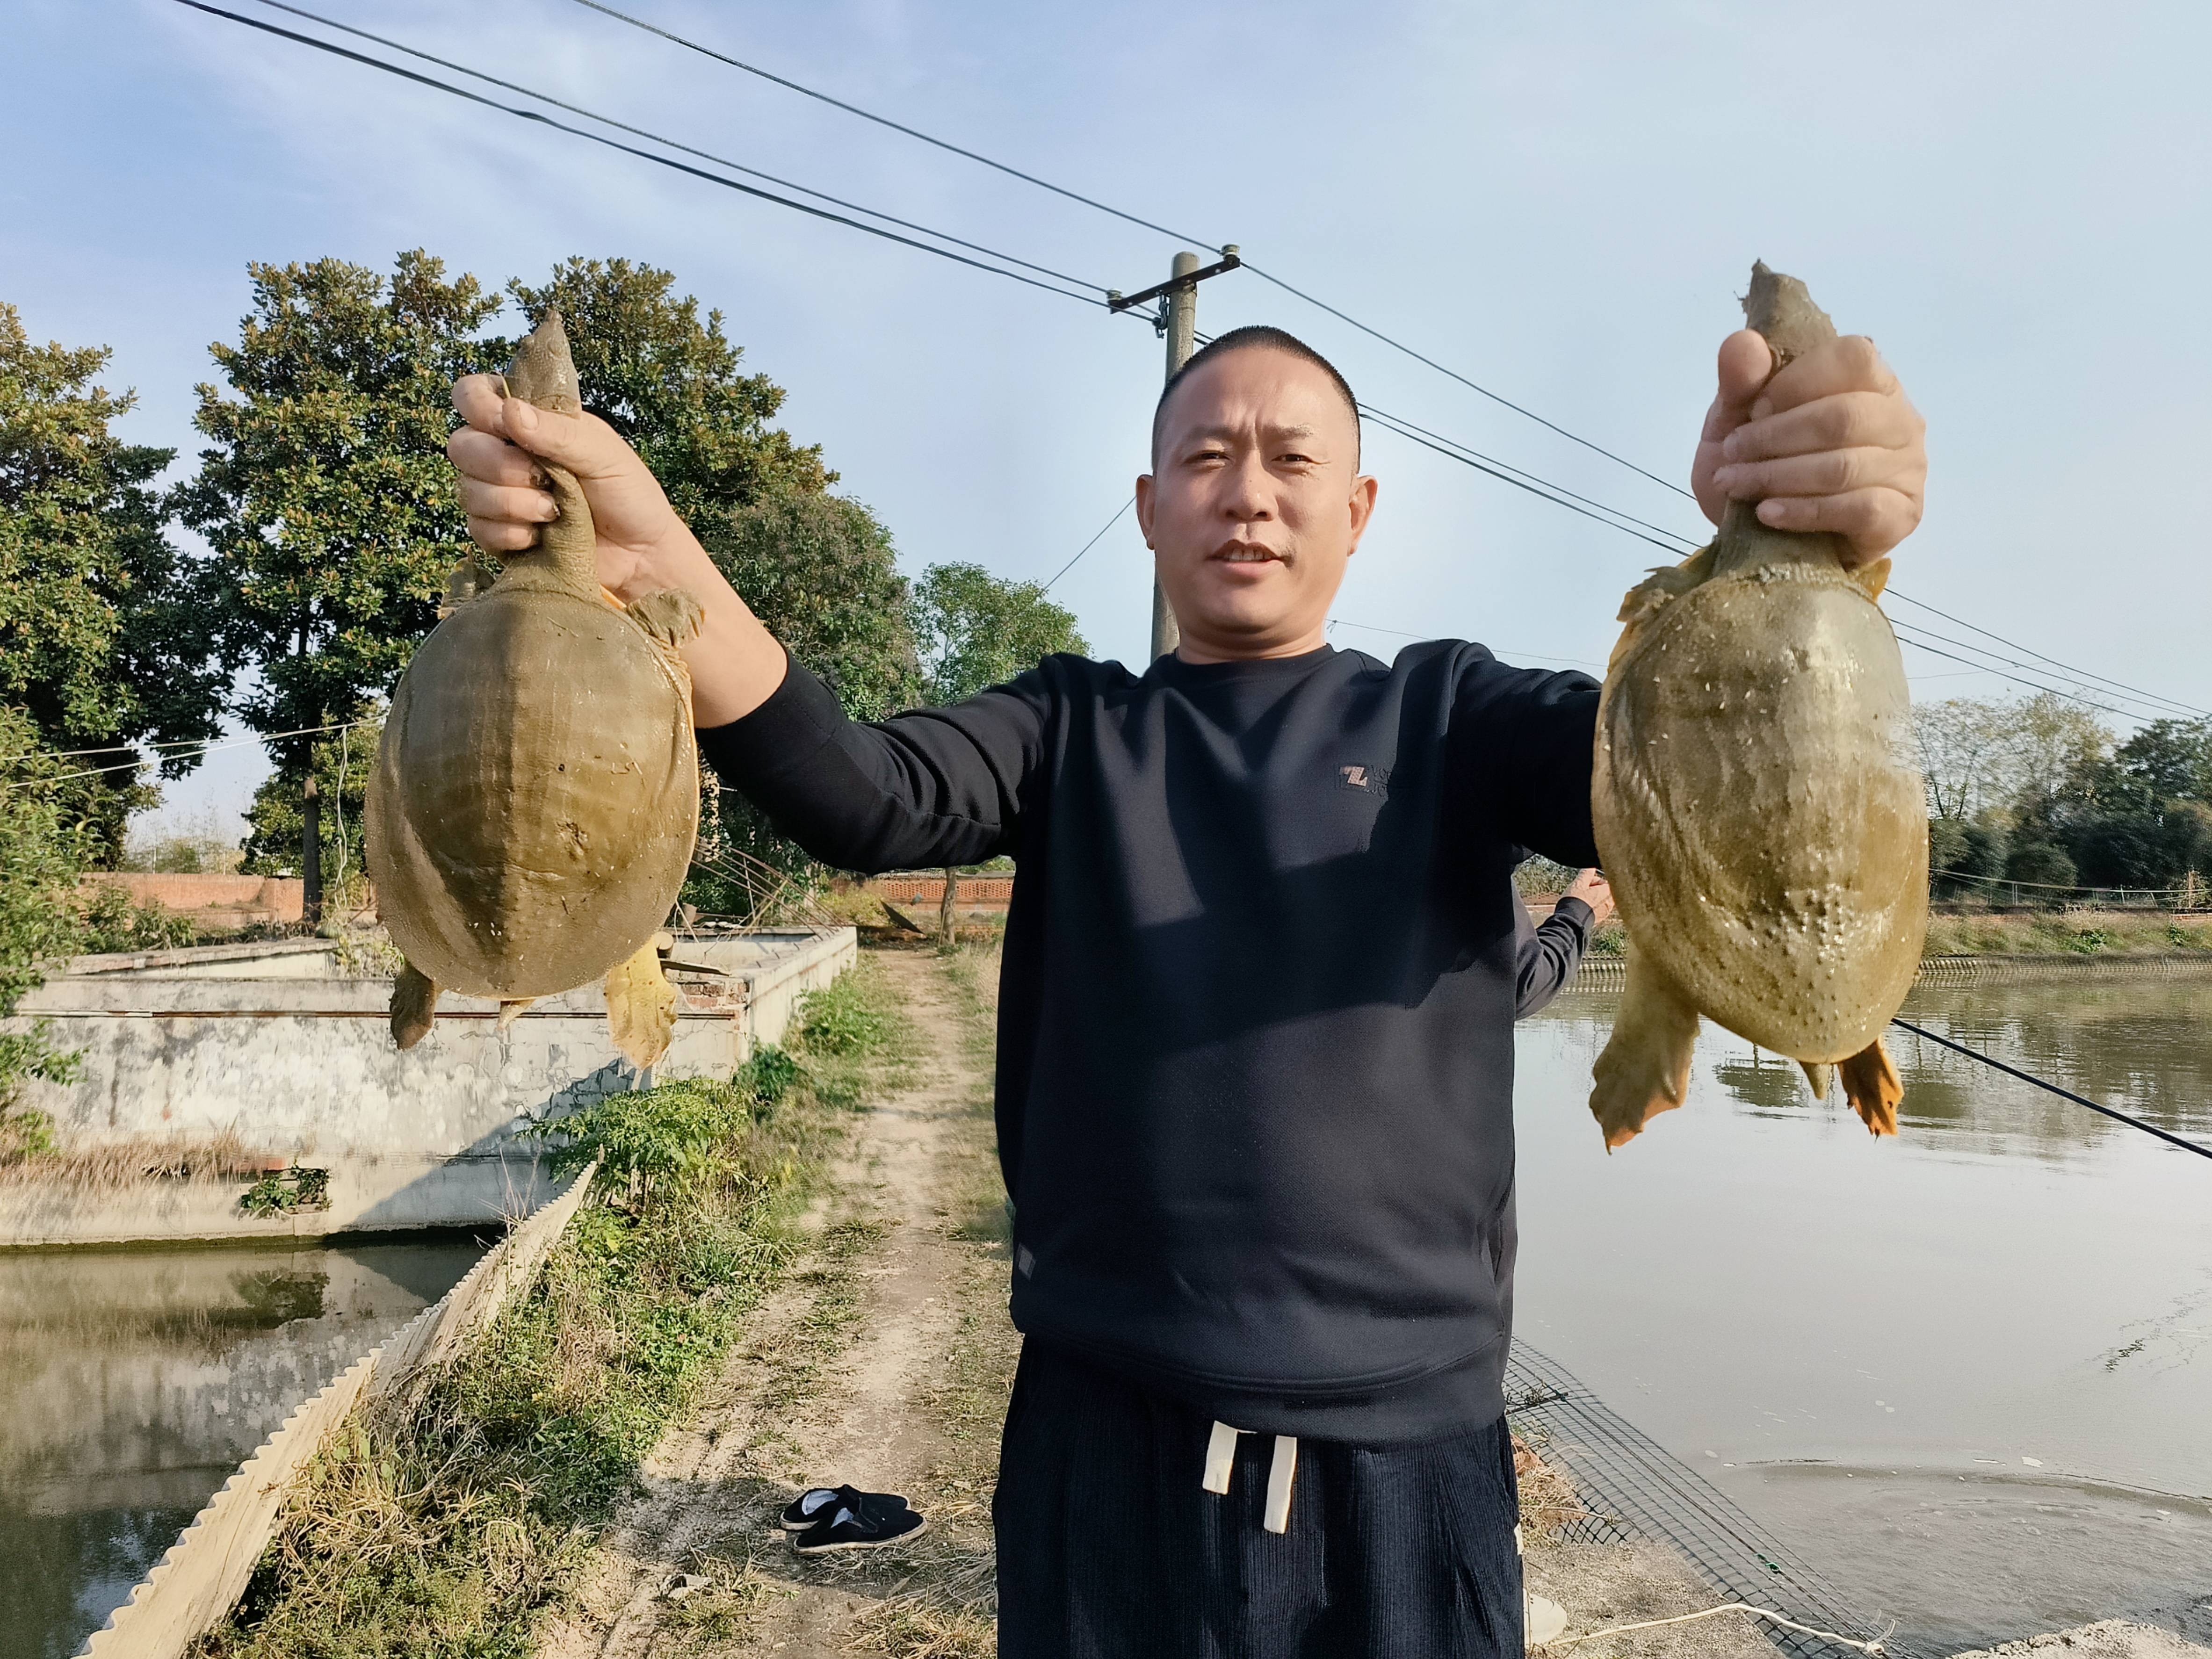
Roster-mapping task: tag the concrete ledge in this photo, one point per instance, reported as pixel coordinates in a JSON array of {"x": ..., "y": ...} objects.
[{"x": 303, "y": 1067}]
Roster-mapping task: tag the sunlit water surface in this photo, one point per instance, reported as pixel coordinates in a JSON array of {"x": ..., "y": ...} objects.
[
  {"x": 1967, "y": 1373},
  {"x": 133, "y": 1382}
]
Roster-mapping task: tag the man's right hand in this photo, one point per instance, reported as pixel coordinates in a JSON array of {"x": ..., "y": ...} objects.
[
  {"x": 643, "y": 547},
  {"x": 640, "y": 539},
  {"x": 1591, "y": 887}
]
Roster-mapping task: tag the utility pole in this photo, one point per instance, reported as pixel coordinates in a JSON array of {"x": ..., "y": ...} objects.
[
  {"x": 1182, "y": 312},
  {"x": 1177, "y": 319},
  {"x": 311, "y": 853}
]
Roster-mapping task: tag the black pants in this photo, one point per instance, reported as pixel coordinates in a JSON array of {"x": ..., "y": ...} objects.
[{"x": 1109, "y": 1548}]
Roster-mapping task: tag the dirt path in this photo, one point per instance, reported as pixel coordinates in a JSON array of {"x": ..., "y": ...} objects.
[{"x": 875, "y": 1365}]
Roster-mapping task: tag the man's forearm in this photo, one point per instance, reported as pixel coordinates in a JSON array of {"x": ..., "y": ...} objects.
[{"x": 736, "y": 663}]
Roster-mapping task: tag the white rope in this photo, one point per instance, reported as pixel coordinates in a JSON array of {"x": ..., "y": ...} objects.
[{"x": 1872, "y": 1647}]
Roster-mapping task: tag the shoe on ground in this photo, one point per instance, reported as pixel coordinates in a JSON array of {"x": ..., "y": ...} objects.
[
  {"x": 1547, "y": 1621},
  {"x": 813, "y": 1505},
  {"x": 844, "y": 1528}
]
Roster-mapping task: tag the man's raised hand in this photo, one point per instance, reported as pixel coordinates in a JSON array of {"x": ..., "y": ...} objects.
[
  {"x": 1830, "y": 442},
  {"x": 503, "y": 492}
]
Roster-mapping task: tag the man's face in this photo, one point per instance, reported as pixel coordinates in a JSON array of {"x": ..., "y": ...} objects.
[{"x": 1254, "y": 504}]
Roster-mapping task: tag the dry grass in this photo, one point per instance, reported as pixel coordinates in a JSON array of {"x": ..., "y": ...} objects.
[{"x": 142, "y": 1161}]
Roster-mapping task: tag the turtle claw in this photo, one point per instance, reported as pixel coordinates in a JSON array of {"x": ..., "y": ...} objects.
[{"x": 414, "y": 1005}]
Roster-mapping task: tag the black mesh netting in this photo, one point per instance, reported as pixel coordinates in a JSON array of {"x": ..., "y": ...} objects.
[{"x": 1632, "y": 1486}]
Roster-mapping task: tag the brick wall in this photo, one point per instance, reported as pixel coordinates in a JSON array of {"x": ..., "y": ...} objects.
[
  {"x": 983, "y": 892},
  {"x": 254, "y": 898}
]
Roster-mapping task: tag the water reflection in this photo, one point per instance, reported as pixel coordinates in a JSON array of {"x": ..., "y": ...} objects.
[
  {"x": 135, "y": 1382},
  {"x": 1965, "y": 1372}
]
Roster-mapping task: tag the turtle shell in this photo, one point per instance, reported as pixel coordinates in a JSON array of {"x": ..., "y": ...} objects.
[
  {"x": 1758, "y": 804},
  {"x": 536, "y": 796}
]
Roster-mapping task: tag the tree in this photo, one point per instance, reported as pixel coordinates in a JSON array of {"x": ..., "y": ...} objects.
[
  {"x": 820, "y": 571},
  {"x": 1992, "y": 757},
  {"x": 977, "y": 630},
  {"x": 669, "y": 384},
  {"x": 326, "y": 498},
  {"x": 100, "y": 642}
]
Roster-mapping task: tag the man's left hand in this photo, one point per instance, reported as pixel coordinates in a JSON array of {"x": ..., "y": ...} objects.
[{"x": 1829, "y": 443}]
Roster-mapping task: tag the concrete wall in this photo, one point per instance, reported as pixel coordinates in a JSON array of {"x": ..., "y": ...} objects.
[{"x": 304, "y": 1069}]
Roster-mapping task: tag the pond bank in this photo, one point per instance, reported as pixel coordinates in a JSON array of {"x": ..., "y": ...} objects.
[{"x": 253, "y": 1092}]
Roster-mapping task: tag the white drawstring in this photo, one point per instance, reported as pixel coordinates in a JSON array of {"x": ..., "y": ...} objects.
[
  {"x": 1280, "y": 1474},
  {"x": 1221, "y": 1458}
]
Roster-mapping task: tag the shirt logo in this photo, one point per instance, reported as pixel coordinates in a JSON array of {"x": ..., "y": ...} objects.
[{"x": 1370, "y": 780}]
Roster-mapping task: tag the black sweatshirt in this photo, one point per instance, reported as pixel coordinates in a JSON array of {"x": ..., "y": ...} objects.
[
  {"x": 1255, "y": 1046},
  {"x": 1547, "y": 956}
]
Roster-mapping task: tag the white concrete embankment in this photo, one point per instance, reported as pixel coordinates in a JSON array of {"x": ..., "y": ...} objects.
[{"x": 272, "y": 1045}]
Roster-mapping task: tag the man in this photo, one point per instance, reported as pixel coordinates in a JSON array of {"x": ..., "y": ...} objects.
[
  {"x": 1255, "y": 1058},
  {"x": 1547, "y": 956}
]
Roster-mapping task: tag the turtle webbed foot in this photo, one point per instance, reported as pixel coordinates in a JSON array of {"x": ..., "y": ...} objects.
[
  {"x": 1872, "y": 1085},
  {"x": 1645, "y": 1067},
  {"x": 642, "y": 1006}
]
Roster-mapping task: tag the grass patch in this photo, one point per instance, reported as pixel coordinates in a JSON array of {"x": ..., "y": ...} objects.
[
  {"x": 455, "y": 1529},
  {"x": 852, "y": 1033},
  {"x": 2070, "y": 933}
]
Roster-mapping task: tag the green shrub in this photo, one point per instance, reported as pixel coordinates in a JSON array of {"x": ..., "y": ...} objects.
[
  {"x": 653, "y": 1142},
  {"x": 113, "y": 922}
]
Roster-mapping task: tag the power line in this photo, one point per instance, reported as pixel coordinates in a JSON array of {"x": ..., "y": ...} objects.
[
  {"x": 204, "y": 749},
  {"x": 337, "y": 51},
  {"x": 2081, "y": 681},
  {"x": 1519, "y": 477},
  {"x": 1443, "y": 448},
  {"x": 885, "y": 121},
  {"x": 1407, "y": 429},
  {"x": 1453, "y": 373},
  {"x": 2032, "y": 685},
  {"x": 2117, "y": 684},
  {"x": 687, "y": 150},
  {"x": 1092, "y": 543},
  {"x": 805, "y": 91}
]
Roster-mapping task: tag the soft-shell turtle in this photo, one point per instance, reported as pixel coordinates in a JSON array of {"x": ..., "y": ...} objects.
[
  {"x": 537, "y": 791},
  {"x": 1759, "y": 805}
]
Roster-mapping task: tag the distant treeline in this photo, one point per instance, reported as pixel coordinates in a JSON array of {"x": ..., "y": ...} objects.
[{"x": 2039, "y": 798}]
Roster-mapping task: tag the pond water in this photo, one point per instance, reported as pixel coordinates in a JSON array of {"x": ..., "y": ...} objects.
[
  {"x": 1966, "y": 1373},
  {"x": 133, "y": 1382}
]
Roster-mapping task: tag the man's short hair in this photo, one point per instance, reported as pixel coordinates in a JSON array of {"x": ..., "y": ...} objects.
[{"x": 1265, "y": 336}]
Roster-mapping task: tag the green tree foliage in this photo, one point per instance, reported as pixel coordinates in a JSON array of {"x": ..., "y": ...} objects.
[
  {"x": 820, "y": 572},
  {"x": 977, "y": 630},
  {"x": 2035, "y": 791},
  {"x": 41, "y": 850},
  {"x": 669, "y": 383},
  {"x": 325, "y": 497},
  {"x": 101, "y": 639}
]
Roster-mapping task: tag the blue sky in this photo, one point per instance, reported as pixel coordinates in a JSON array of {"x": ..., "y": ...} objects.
[{"x": 1560, "y": 201}]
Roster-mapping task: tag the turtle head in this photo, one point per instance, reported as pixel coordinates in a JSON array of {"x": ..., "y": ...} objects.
[{"x": 543, "y": 372}]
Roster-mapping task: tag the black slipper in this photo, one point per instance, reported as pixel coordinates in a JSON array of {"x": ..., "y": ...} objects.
[
  {"x": 847, "y": 1528},
  {"x": 804, "y": 1510}
]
